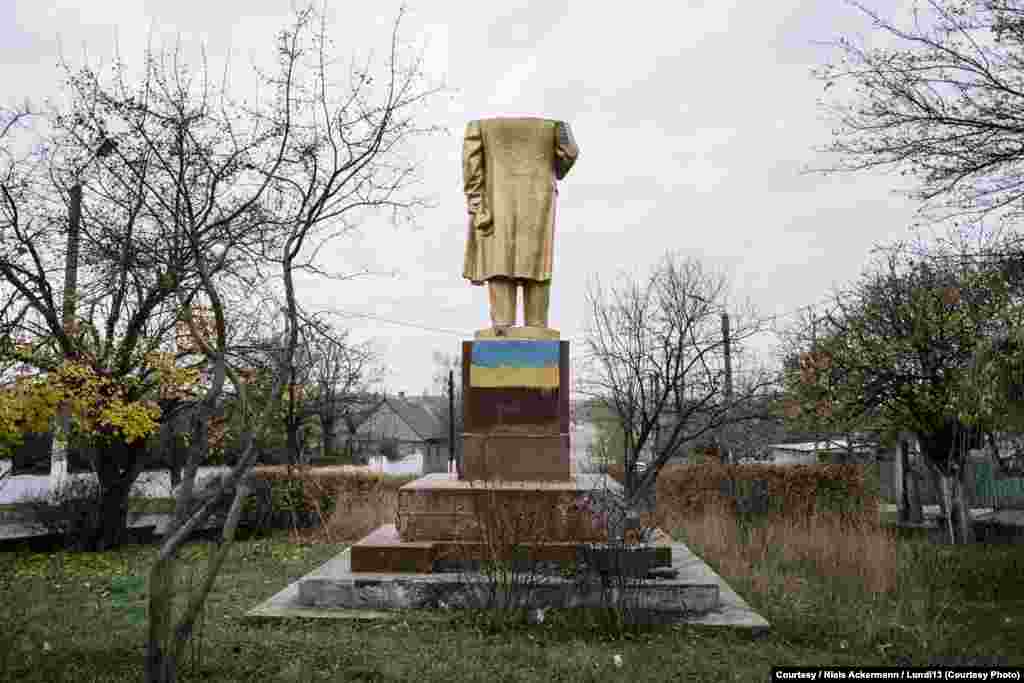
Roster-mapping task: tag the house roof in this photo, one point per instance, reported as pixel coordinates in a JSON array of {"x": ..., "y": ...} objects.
[
  {"x": 419, "y": 418},
  {"x": 413, "y": 411},
  {"x": 437, "y": 406},
  {"x": 361, "y": 415}
]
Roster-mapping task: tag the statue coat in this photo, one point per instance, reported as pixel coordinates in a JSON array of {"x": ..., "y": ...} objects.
[{"x": 510, "y": 167}]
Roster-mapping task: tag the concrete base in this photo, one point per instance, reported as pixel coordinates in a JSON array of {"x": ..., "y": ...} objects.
[
  {"x": 335, "y": 585},
  {"x": 333, "y": 592},
  {"x": 384, "y": 551}
]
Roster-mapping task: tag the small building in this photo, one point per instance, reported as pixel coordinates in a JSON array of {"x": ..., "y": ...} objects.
[{"x": 397, "y": 427}]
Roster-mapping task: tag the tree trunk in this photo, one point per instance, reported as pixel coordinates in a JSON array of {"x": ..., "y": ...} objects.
[
  {"x": 166, "y": 639},
  {"x": 960, "y": 514},
  {"x": 161, "y": 664},
  {"x": 910, "y": 503},
  {"x": 293, "y": 446},
  {"x": 328, "y": 439},
  {"x": 937, "y": 484},
  {"x": 171, "y": 452},
  {"x": 107, "y": 526},
  {"x": 113, "y": 514},
  {"x": 915, "y": 508}
]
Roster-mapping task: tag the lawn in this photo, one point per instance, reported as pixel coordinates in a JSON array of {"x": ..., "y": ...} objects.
[{"x": 876, "y": 598}]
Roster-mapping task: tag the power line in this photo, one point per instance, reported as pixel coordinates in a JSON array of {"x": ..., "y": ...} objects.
[
  {"x": 776, "y": 316},
  {"x": 579, "y": 338},
  {"x": 403, "y": 323}
]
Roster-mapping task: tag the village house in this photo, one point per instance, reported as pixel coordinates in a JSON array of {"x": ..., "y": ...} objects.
[{"x": 398, "y": 427}]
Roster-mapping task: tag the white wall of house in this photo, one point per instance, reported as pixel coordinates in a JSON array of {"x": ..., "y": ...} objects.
[
  {"x": 807, "y": 453},
  {"x": 783, "y": 456},
  {"x": 412, "y": 464}
]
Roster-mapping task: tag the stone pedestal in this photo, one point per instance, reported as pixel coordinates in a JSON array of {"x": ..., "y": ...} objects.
[
  {"x": 516, "y": 410},
  {"x": 516, "y": 488}
]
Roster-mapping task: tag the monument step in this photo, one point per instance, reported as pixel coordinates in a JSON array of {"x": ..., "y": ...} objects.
[
  {"x": 335, "y": 585},
  {"x": 384, "y": 551}
]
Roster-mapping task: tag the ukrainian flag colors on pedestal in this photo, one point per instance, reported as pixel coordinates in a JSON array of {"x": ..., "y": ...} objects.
[{"x": 515, "y": 363}]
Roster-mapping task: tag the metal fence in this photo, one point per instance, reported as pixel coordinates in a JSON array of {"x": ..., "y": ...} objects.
[
  {"x": 984, "y": 488},
  {"x": 991, "y": 491}
]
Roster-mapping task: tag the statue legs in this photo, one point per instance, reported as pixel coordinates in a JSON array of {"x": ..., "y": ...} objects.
[
  {"x": 535, "y": 302},
  {"x": 503, "y": 294},
  {"x": 503, "y": 301}
]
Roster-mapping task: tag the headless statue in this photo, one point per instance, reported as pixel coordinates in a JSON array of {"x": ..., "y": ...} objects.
[{"x": 510, "y": 168}]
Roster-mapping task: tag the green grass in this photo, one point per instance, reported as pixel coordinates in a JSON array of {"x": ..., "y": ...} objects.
[
  {"x": 136, "y": 504},
  {"x": 81, "y": 617}
]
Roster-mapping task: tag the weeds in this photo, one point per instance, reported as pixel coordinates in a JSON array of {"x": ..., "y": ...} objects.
[
  {"x": 857, "y": 580},
  {"x": 514, "y": 575}
]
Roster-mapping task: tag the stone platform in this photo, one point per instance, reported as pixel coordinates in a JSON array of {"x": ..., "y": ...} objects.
[
  {"x": 334, "y": 585},
  {"x": 334, "y": 579}
]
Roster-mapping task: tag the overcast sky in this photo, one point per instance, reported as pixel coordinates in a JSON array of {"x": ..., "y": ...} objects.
[{"x": 694, "y": 120}]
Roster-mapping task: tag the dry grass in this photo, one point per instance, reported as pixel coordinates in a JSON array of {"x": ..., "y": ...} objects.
[
  {"x": 867, "y": 558},
  {"x": 354, "y": 518},
  {"x": 362, "y": 502},
  {"x": 859, "y": 584}
]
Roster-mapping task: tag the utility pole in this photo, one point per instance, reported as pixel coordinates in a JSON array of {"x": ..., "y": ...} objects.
[
  {"x": 728, "y": 378},
  {"x": 451, "y": 419},
  {"x": 814, "y": 351},
  {"x": 658, "y": 410},
  {"x": 74, "y": 230},
  {"x": 61, "y": 440},
  {"x": 71, "y": 262}
]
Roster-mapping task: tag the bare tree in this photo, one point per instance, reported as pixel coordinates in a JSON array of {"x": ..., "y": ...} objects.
[
  {"x": 344, "y": 163},
  {"x": 328, "y": 165},
  {"x": 329, "y": 376},
  {"x": 341, "y": 373},
  {"x": 655, "y": 360},
  {"x": 945, "y": 106}
]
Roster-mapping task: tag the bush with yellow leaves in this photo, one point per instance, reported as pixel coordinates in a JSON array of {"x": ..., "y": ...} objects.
[{"x": 101, "y": 406}]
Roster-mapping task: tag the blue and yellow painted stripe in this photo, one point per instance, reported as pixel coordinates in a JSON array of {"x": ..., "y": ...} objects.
[{"x": 515, "y": 363}]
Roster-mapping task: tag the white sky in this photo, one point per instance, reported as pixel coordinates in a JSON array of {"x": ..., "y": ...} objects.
[{"x": 693, "y": 119}]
